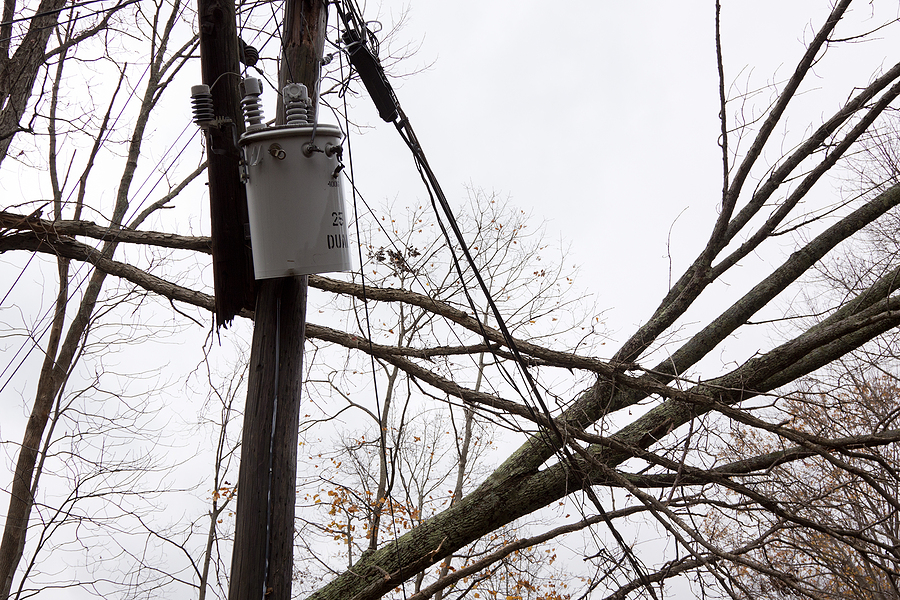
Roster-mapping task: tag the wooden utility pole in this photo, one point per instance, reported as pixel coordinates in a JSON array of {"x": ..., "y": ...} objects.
[
  {"x": 232, "y": 261},
  {"x": 262, "y": 562}
]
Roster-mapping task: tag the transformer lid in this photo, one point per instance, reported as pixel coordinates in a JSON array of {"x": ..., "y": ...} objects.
[{"x": 289, "y": 131}]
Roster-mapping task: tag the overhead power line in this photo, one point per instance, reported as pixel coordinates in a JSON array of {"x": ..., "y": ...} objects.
[{"x": 364, "y": 57}]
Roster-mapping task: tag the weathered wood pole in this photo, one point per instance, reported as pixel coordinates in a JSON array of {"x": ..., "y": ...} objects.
[
  {"x": 232, "y": 261},
  {"x": 262, "y": 563}
]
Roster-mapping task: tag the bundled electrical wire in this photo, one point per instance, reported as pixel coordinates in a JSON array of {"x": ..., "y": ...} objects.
[{"x": 362, "y": 51}]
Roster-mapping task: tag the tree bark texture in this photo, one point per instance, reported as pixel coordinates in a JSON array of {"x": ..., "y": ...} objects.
[{"x": 19, "y": 71}]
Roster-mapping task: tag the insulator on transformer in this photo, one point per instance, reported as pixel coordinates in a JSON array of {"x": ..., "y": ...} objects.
[
  {"x": 202, "y": 105},
  {"x": 297, "y": 106},
  {"x": 253, "y": 113}
]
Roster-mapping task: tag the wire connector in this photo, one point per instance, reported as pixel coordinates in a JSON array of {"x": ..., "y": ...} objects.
[{"x": 372, "y": 75}]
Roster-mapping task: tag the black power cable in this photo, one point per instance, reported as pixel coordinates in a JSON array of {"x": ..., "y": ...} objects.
[
  {"x": 432, "y": 184},
  {"x": 374, "y": 79}
]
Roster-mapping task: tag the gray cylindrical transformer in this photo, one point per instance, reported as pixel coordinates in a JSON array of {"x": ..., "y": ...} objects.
[{"x": 298, "y": 224}]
